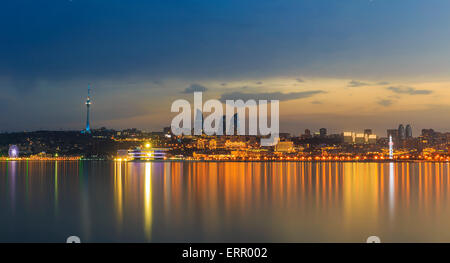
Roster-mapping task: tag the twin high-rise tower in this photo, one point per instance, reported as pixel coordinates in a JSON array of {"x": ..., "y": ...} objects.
[
  {"x": 404, "y": 133},
  {"x": 401, "y": 133}
]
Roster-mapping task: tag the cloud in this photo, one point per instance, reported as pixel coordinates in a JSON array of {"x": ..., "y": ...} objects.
[
  {"x": 356, "y": 83},
  {"x": 269, "y": 95},
  {"x": 316, "y": 102},
  {"x": 300, "y": 80},
  {"x": 194, "y": 88},
  {"x": 409, "y": 90},
  {"x": 259, "y": 83},
  {"x": 385, "y": 103}
]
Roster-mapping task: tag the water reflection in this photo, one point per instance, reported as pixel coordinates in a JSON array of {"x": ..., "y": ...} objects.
[
  {"x": 56, "y": 187},
  {"x": 391, "y": 189},
  {"x": 148, "y": 201},
  {"x": 224, "y": 202},
  {"x": 118, "y": 195}
]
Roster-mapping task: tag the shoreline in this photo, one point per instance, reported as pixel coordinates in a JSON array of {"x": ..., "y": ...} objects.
[{"x": 222, "y": 161}]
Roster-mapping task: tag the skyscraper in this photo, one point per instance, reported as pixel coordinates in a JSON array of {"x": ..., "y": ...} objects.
[
  {"x": 88, "y": 105},
  {"x": 198, "y": 122},
  {"x": 323, "y": 132},
  {"x": 233, "y": 122},
  {"x": 427, "y": 132},
  {"x": 408, "y": 131},
  {"x": 360, "y": 138},
  {"x": 401, "y": 132},
  {"x": 306, "y": 134},
  {"x": 393, "y": 133},
  {"x": 349, "y": 137}
]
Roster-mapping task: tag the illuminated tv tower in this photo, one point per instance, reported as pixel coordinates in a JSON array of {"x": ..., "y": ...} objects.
[
  {"x": 88, "y": 104},
  {"x": 391, "y": 148}
]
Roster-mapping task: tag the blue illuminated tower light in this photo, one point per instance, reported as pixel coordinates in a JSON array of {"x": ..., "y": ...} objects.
[{"x": 88, "y": 104}]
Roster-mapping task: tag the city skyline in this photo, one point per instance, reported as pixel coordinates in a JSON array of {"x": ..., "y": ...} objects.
[
  {"x": 188, "y": 126},
  {"x": 346, "y": 66}
]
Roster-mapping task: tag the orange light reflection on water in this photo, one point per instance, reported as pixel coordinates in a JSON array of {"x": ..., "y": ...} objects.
[{"x": 278, "y": 201}]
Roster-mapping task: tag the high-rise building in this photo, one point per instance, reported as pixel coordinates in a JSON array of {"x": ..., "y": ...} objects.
[
  {"x": 360, "y": 138},
  {"x": 393, "y": 133},
  {"x": 408, "y": 131},
  {"x": 88, "y": 105},
  {"x": 198, "y": 122},
  {"x": 349, "y": 137},
  {"x": 233, "y": 122},
  {"x": 323, "y": 132},
  {"x": 372, "y": 139},
  {"x": 401, "y": 132},
  {"x": 367, "y": 134},
  {"x": 427, "y": 132},
  {"x": 308, "y": 132}
]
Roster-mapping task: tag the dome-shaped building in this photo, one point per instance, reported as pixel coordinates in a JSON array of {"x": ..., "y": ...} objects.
[{"x": 13, "y": 151}]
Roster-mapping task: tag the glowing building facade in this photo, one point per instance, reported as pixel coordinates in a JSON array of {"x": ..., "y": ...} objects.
[{"x": 147, "y": 154}]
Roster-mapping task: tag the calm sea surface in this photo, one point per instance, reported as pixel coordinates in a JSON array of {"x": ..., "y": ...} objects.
[{"x": 224, "y": 202}]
